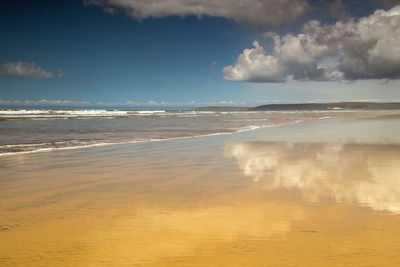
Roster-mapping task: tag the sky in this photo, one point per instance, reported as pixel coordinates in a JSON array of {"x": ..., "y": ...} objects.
[{"x": 186, "y": 53}]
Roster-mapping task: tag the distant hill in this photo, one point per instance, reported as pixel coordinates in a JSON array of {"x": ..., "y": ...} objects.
[
  {"x": 330, "y": 106},
  {"x": 308, "y": 106}
]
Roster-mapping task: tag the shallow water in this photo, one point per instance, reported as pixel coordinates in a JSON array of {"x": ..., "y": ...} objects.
[
  {"x": 316, "y": 193},
  {"x": 27, "y": 131}
]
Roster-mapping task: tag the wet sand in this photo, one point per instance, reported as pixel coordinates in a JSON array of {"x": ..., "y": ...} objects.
[{"x": 321, "y": 193}]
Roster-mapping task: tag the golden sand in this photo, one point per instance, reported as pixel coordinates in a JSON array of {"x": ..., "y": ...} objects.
[{"x": 203, "y": 202}]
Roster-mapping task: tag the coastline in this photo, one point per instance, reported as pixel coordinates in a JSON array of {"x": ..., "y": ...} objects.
[
  {"x": 138, "y": 141},
  {"x": 68, "y": 145}
]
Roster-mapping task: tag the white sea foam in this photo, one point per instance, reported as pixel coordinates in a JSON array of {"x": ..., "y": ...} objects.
[
  {"x": 42, "y": 114},
  {"x": 72, "y": 112},
  {"x": 93, "y": 113},
  {"x": 22, "y": 111},
  {"x": 39, "y": 113},
  {"x": 149, "y": 111},
  {"x": 248, "y": 119},
  {"x": 205, "y": 112}
]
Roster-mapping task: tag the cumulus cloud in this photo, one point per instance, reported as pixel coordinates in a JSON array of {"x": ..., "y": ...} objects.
[
  {"x": 28, "y": 70},
  {"x": 364, "y": 48},
  {"x": 253, "y": 12}
]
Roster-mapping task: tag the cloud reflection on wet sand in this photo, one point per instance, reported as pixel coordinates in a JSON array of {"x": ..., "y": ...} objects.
[
  {"x": 182, "y": 203},
  {"x": 356, "y": 173}
]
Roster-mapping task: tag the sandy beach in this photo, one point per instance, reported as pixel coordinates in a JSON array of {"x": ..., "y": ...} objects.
[
  {"x": 233, "y": 133},
  {"x": 317, "y": 193}
]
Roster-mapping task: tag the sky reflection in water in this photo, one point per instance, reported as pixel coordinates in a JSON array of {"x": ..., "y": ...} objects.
[{"x": 354, "y": 173}]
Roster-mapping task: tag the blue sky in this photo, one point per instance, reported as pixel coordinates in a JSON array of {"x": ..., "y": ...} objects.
[{"x": 104, "y": 52}]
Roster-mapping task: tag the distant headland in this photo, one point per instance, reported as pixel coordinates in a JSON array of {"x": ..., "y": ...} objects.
[{"x": 308, "y": 106}]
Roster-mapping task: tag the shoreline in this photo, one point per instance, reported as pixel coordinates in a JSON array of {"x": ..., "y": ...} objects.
[
  {"x": 51, "y": 149},
  {"x": 360, "y": 115}
]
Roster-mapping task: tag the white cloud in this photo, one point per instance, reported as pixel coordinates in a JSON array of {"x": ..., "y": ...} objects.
[
  {"x": 253, "y": 12},
  {"x": 152, "y": 103},
  {"x": 365, "y": 48},
  {"x": 224, "y": 102},
  {"x": 133, "y": 103},
  {"x": 43, "y": 102},
  {"x": 28, "y": 70},
  {"x": 46, "y": 102}
]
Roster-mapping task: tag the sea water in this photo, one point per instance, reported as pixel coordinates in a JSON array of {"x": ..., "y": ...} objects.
[{"x": 39, "y": 130}]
